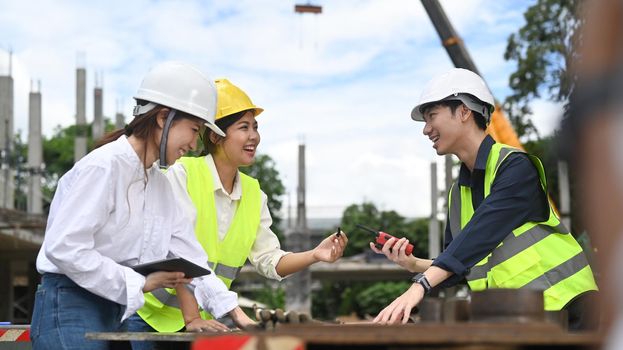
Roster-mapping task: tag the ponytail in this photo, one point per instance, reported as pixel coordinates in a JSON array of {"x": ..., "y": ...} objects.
[
  {"x": 110, "y": 137},
  {"x": 142, "y": 126}
]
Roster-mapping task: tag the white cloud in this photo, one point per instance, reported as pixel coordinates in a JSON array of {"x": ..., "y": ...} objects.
[
  {"x": 546, "y": 116},
  {"x": 346, "y": 79}
]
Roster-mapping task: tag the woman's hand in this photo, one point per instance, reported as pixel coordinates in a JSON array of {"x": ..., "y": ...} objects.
[
  {"x": 241, "y": 319},
  {"x": 201, "y": 325},
  {"x": 397, "y": 253},
  {"x": 163, "y": 279},
  {"x": 400, "y": 309},
  {"x": 331, "y": 248}
]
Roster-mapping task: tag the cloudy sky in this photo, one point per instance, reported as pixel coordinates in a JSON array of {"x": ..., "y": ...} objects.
[{"x": 343, "y": 82}]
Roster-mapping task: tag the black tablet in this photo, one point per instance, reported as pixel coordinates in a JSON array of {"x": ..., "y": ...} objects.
[{"x": 189, "y": 269}]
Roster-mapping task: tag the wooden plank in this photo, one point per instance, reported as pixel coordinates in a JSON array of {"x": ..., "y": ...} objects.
[{"x": 460, "y": 334}]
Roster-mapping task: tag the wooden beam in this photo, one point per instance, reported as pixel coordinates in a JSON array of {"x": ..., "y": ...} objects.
[{"x": 307, "y": 8}]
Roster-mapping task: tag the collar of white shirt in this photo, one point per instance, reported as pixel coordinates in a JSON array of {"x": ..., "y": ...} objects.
[
  {"x": 236, "y": 193},
  {"x": 124, "y": 144}
]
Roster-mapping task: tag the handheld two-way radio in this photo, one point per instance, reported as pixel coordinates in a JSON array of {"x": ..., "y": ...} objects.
[{"x": 381, "y": 237}]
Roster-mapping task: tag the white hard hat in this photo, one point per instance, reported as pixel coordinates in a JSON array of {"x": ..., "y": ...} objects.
[
  {"x": 182, "y": 87},
  {"x": 457, "y": 84}
]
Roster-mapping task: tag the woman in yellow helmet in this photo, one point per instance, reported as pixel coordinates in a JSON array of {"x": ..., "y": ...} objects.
[{"x": 232, "y": 217}]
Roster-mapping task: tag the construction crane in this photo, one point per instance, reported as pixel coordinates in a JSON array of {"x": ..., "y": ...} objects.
[{"x": 500, "y": 128}]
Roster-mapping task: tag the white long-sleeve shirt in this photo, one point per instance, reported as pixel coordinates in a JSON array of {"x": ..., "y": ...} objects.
[
  {"x": 266, "y": 251},
  {"x": 105, "y": 216}
]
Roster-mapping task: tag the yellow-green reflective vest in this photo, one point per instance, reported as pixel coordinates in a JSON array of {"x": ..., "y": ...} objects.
[
  {"x": 226, "y": 258},
  {"x": 536, "y": 255}
]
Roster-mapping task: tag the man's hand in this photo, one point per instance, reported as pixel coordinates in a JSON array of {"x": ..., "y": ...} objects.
[
  {"x": 331, "y": 248},
  {"x": 163, "y": 279},
  {"x": 400, "y": 309},
  {"x": 396, "y": 253}
]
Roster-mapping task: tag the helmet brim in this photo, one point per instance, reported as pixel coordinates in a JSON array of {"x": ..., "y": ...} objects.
[
  {"x": 215, "y": 128},
  {"x": 472, "y": 102}
]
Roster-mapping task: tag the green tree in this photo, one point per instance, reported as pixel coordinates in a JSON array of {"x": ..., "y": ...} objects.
[
  {"x": 337, "y": 298},
  {"x": 56, "y": 150},
  {"x": 364, "y": 214},
  {"x": 417, "y": 231},
  {"x": 388, "y": 221},
  {"x": 58, "y": 156},
  {"x": 371, "y": 300},
  {"x": 368, "y": 298},
  {"x": 58, "y": 153},
  {"x": 264, "y": 170},
  {"x": 271, "y": 294},
  {"x": 18, "y": 160},
  {"x": 543, "y": 49}
]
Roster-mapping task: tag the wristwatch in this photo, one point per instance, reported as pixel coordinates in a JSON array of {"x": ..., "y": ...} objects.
[{"x": 421, "y": 279}]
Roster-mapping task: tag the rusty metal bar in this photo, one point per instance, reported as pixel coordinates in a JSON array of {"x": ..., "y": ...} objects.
[{"x": 307, "y": 8}]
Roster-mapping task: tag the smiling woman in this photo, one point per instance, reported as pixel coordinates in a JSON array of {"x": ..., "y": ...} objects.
[
  {"x": 115, "y": 209},
  {"x": 232, "y": 217}
]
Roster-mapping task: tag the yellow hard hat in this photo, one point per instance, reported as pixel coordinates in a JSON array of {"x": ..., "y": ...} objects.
[{"x": 231, "y": 99}]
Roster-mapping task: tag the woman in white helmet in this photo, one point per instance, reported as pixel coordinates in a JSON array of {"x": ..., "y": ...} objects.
[
  {"x": 232, "y": 217},
  {"x": 116, "y": 209},
  {"x": 501, "y": 231}
]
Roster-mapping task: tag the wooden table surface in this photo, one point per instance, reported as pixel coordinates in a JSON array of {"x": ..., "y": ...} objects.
[{"x": 421, "y": 335}]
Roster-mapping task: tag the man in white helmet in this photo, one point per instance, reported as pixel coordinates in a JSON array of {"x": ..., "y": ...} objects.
[{"x": 501, "y": 231}]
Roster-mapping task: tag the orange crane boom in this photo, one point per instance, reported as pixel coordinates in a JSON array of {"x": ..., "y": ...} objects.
[{"x": 500, "y": 128}]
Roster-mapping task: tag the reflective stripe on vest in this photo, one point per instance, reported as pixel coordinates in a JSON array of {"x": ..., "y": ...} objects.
[
  {"x": 166, "y": 298},
  {"x": 534, "y": 255},
  {"x": 170, "y": 299},
  {"x": 228, "y": 272},
  {"x": 513, "y": 245},
  {"x": 559, "y": 273},
  {"x": 226, "y": 257}
]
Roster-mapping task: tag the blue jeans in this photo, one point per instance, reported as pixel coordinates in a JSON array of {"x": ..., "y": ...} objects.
[
  {"x": 64, "y": 312},
  {"x": 135, "y": 323}
]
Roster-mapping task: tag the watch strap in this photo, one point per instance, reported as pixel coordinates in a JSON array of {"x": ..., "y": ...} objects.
[{"x": 421, "y": 279}]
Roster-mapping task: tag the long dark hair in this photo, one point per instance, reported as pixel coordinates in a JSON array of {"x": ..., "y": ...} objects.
[
  {"x": 142, "y": 127},
  {"x": 224, "y": 123}
]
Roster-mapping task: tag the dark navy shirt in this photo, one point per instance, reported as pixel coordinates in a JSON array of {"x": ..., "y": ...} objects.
[{"x": 516, "y": 197}]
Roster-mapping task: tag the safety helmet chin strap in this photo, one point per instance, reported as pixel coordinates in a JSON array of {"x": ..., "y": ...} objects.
[{"x": 164, "y": 138}]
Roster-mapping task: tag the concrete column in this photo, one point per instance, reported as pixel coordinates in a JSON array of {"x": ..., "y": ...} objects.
[
  {"x": 449, "y": 165},
  {"x": 119, "y": 117},
  {"x": 301, "y": 209},
  {"x": 35, "y": 153},
  {"x": 298, "y": 286},
  {"x": 433, "y": 223},
  {"x": 7, "y": 173},
  {"x": 119, "y": 120},
  {"x": 565, "y": 198},
  {"x": 80, "y": 142},
  {"x": 98, "y": 119}
]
